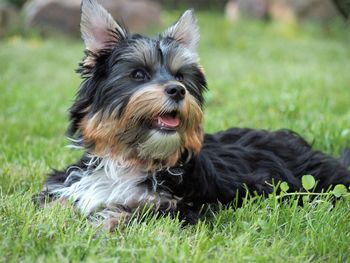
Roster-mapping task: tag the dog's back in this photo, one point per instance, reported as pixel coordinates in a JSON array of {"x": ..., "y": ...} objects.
[{"x": 345, "y": 157}]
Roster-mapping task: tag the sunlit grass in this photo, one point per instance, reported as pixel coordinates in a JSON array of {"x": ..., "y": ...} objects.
[{"x": 260, "y": 75}]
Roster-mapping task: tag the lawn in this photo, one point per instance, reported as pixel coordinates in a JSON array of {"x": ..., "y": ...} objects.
[{"x": 265, "y": 76}]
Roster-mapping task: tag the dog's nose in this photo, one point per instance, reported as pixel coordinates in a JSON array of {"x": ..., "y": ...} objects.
[{"x": 176, "y": 92}]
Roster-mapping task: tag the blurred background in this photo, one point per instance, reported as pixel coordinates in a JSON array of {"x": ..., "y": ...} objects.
[{"x": 45, "y": 16}]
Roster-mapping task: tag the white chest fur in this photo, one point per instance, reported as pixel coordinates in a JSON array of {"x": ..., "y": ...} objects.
[{"x": 109, "y": 184}]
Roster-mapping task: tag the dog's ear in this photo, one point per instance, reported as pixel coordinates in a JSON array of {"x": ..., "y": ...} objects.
[
  {"x": 185, "y": 30},
  {"x": 98, "y": 29}
]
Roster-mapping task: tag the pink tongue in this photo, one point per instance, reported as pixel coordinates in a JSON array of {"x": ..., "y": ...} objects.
[{"x": 169, "y": 122}]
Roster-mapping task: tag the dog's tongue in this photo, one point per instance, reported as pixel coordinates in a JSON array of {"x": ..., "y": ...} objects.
[{"x": 169, "y": 121}]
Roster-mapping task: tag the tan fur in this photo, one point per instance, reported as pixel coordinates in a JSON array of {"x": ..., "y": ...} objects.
[{"x": 102, "y": 131}]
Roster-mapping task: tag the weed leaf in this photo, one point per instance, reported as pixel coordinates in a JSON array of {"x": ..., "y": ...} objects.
[
  {"x": 308, "y": 182},
  {"x": 284, "y": 187},
  {"x": 339, "y": 190}
]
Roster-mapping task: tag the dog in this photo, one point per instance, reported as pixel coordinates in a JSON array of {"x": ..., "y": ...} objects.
[{"x": 138, "y": 115}]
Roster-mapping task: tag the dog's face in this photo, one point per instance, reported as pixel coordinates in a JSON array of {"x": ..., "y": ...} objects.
[{"x": 141, "y": 98}]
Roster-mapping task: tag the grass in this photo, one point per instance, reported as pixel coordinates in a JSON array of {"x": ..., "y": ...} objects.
[{"x": 260, "y": 75}]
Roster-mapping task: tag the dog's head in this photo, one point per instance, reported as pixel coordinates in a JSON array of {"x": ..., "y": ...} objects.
[{"x": 141, "y": 98}]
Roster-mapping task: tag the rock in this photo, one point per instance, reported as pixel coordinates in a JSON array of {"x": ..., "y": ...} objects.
[
  {"x": 254, "y": 8},
  {"x": 64, "y": 15},
  {"x": 232, "y": 10},
  {"x": 138, "y": 15},
  {"x": 9, "y": 18},
  {"x": 281, "y": 11},
  {"x": 196, "y": 4},
  {"x": 320, "y": 10}
]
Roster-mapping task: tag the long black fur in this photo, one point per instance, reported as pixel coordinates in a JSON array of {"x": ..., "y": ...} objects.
[{"x": 238, "y": 160}]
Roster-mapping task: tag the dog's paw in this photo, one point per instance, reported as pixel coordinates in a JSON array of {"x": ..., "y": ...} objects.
[
  {"x": 111, "y": 218},
  {"x": 189, "y": 218},
  {"x": 110, "y": 224}
]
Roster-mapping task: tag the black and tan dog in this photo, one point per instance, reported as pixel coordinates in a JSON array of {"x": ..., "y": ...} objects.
[{"x": 138, "y": 115}]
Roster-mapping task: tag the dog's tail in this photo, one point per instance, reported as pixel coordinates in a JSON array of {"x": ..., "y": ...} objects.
[{"x": 345, "y": 157}]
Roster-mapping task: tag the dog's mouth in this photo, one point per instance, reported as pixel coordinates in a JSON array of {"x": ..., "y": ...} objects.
[{"x": 168, "y": 122}]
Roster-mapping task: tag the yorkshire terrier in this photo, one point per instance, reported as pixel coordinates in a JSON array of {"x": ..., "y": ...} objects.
[{"x": 138, "y": 115}]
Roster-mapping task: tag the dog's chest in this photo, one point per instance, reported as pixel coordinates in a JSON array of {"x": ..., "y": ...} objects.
[{"x": 108, "y": 185}]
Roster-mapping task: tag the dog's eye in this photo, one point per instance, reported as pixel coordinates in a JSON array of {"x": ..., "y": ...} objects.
[
  {"x": 179, "y": 77},
  {"x": 139, "y": 75}
]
